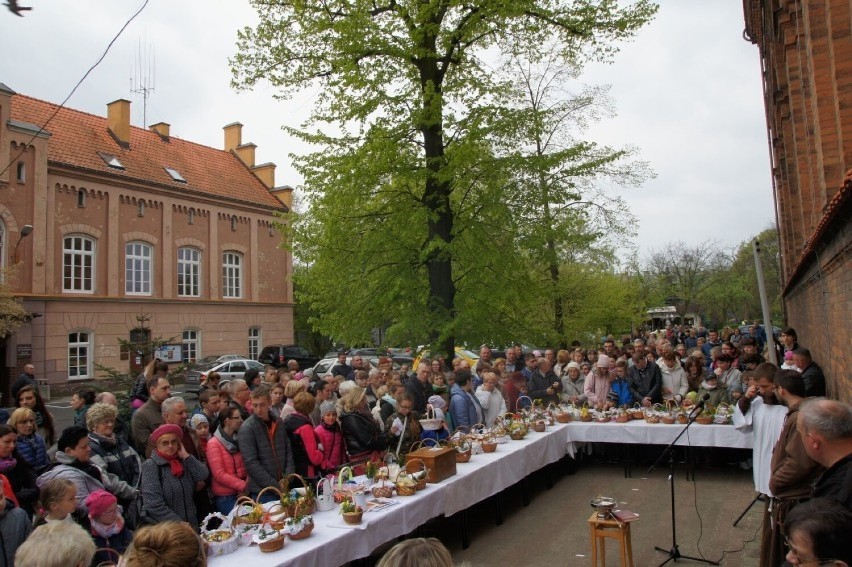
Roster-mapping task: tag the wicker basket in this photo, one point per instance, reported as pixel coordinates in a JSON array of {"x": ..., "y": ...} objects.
[
  {"x": 404, "y": 489},
  {"x": 383, "y": 490},
  {"x": 539, "y": 426},
  {"x": 255, "y": 515},
  {"x": 463, "y": 455},
  {"x": 421, "y": 480},
  {"x": 270, "y": 545},
  {"x": 353, "y": 518},
  {"x": 622, "y": 418},
  {"x": 307, "y": 504},
  {"x": 306, "y": 528},
  {"x": 563, "y": 417},
  {"x": 489, "y": 445},
  {"x": 668, "y": 419},
  {"x": 704, "y": 419},
  {"x": 220, "y": 541}
]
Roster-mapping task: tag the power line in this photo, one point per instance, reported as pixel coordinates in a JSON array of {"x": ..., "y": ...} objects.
[{"x": 80, "y": 82}]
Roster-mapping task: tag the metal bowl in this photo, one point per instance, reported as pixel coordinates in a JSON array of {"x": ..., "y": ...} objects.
[{"x": 603, "y": 505}]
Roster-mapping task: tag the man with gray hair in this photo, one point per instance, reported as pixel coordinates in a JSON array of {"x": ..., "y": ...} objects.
[
  {"x": 240, "y": 394},
  {"x": 150, "y": 416},
  {"x": 174, "y": 413},
  {"x": 826, "y": 430}
]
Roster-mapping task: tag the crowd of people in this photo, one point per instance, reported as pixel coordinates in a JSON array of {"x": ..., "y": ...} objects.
[{"x": 121, "y": 483}]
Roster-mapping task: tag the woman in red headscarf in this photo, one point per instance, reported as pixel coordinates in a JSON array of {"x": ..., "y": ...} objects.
[{"x": 168, "y": 479}]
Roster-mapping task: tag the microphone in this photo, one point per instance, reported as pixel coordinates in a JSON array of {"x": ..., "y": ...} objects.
[{"x": 701, "y": 401}]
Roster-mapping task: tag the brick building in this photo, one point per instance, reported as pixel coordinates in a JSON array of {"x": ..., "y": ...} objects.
[
  {"x": 806, "y": 56},
  {"x": 134, "y": 234}
]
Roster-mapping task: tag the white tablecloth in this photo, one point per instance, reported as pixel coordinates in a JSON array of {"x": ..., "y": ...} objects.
[
  {"x": 639, "y": 432},
  {"x": 484, "y": 476}
]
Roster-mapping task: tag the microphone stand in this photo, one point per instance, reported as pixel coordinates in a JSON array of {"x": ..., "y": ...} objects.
[{"x": 674, "y": 553}]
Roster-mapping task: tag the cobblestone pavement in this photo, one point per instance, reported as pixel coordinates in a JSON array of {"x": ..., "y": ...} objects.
[{"x": 553, "y": 529}]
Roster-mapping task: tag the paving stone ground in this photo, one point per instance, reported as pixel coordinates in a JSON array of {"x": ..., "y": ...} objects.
[{"x": 553, "y": 529}]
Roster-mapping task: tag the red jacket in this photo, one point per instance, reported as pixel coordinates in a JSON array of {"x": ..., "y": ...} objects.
[
  {"x": 227, "y": 470},
  {"x": 334, "y": 454}
]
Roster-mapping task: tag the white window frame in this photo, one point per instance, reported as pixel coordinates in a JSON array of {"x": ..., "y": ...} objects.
[
  {"x": 232, "y": 275},
  {"x": 191, "y": 343},
  {"x": 189, "y": 268},
  {"x": 80, "y": 348},
  {"x": 77, "y": 259},
  {"x": 255, "y": 339},
  {"x": 138, "y": 268}
]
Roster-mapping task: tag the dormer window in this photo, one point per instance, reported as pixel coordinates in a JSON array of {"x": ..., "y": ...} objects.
[
  {"x": 175, "y": 175},
  {"x": 111, "y": 160}
]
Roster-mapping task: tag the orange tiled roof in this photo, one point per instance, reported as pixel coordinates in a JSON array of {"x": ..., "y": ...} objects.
[{"x": 77, "y": 137}]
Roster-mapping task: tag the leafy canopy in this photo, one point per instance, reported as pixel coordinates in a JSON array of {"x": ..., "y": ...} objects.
[{"x": 407, "y": 224}]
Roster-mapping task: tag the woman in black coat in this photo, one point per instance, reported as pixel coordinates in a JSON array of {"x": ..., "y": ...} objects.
[{"x": 361, "y": 433}]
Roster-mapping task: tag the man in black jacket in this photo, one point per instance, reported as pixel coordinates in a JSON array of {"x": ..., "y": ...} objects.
[
  {"x": 420, "y": 388},
  {"x": 645, "y": 381},
  {"x": 811, "y": 372},
  {"x": 544, "y": 385}
]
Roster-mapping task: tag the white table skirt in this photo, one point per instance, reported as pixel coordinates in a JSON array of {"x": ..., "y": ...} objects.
[
  {"x": 484, "y": 476},
  {"x": 639, "y": 432}
]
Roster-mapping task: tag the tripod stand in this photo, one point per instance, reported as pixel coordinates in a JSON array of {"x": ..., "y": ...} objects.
[
  {"x": 674, "y": 553},
  {"x": 756, "y": 498}
]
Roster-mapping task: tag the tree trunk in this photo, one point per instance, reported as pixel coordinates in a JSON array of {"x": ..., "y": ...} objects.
[{"x": 436, "y": 198}]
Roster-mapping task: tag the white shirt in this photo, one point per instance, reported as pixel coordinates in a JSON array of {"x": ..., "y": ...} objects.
[{"x": 766, "y": 421}]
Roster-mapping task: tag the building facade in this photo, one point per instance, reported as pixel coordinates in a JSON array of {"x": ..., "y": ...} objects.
[
  {"x": 806, "y": 56},
  {"x": 134, "y": 235}
]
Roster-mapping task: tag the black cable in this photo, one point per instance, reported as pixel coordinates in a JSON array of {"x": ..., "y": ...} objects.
[
  {"x": 80, "y": 82},
  {"x": 701, "y": 522}
]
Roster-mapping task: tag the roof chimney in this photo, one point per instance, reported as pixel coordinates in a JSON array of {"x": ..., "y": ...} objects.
[
  {"x": 284, "y": 194},
  {"x": 233, "y": 136},
  {"x": 118, "y": 120},
  {"x": 161, "y": 128},
  {"x": 266, "y": 173},
  {"x": 246, "y": 153}
]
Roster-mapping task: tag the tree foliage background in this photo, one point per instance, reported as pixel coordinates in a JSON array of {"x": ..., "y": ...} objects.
[{"x": 411, "y": 219}]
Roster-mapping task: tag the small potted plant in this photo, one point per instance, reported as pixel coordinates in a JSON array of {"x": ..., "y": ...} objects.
[{"x": 352, "y": 513}]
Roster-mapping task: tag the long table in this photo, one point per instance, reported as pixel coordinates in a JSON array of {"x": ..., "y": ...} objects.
[
  {"x": 639, "y": 432},
  {"x": 485, "y": 475}
]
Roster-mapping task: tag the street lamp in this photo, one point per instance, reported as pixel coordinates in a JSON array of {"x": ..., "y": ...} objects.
[{"x": 26, "y": 230}]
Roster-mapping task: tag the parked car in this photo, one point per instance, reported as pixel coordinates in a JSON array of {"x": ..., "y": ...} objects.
[
  {"x": 228, "y": 370},
  {"x": 206, "y": 360},
  {"x": 279, "y": 355},
  {"x": 322, "y": 367},
  {"x": 463, "y": 353}
]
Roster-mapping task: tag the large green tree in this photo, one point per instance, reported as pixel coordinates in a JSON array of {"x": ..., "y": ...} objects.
[
  {"x": 563, "y": 216},
  {"x": 406, "y": 84}
]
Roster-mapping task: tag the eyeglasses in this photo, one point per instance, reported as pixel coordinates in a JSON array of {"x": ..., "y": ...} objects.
[{"x": 799, "y": 561}]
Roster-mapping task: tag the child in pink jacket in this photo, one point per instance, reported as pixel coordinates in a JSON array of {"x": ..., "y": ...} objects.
[{"x": 331, "y": 437}]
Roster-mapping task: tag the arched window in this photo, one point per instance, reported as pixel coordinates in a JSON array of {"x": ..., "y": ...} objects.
[
  {"x": 79, "y": 355},
  {"x": 232, "y": 275},
  {"x": 191, "y": 346},
  {"x": 137, "y": 268},
  {"x": 81, "y": 198},
  {"x": 78, "y": 264}
]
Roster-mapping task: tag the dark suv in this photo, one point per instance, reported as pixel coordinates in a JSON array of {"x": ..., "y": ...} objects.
[{"x": 278, "y": 355}]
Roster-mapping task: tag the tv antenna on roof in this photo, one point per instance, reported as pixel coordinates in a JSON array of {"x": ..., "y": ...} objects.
[{"x": 143, "y": 78}]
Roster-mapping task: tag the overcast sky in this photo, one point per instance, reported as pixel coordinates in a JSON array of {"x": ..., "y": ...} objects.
[{"x": 687, "y": 92}]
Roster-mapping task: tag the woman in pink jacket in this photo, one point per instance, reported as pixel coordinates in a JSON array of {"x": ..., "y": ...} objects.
[
  {"x": 227, "y": 470},
  {"x": 329, "y": 433},
  {"x": 304, "y": 442}
]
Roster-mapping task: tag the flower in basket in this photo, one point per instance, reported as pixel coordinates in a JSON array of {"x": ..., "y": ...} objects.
[
  {"x": 297, "y": 523},
  {"x": 371, "y": 469},
  {"x": 349, "y": 507}
]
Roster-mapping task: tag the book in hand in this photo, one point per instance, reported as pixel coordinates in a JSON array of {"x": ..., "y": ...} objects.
[{"x": 625, "y": 515}]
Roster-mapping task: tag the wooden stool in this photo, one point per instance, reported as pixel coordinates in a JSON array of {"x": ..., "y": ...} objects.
[{"x": 599, "y": 530}]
